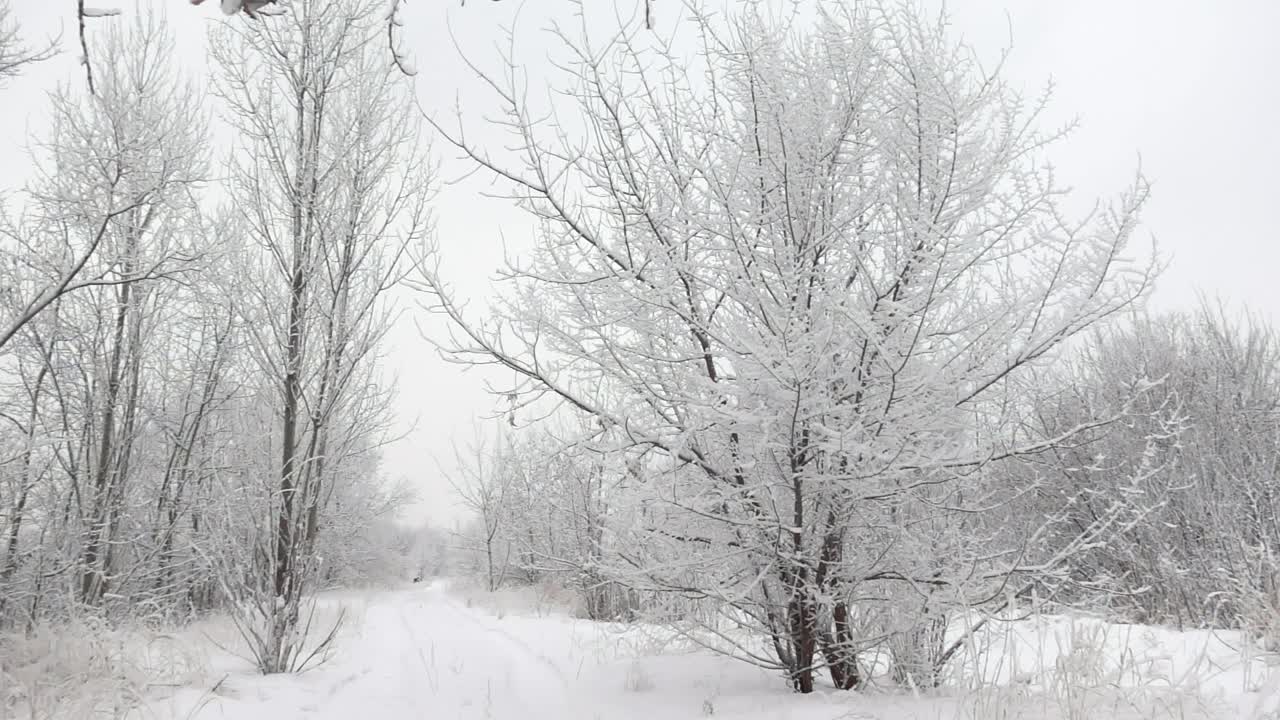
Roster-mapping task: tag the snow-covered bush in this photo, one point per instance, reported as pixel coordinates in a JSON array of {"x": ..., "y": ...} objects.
[
  {"x": 86, "y": 668},
  {"x": 1206, "y": 554}
]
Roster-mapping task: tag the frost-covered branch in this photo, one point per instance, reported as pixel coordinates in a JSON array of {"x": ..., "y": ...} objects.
[{"x": 15, "y": 54}]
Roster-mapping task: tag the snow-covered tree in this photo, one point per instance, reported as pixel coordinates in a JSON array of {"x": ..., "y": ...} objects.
[
  {"x": 540, "y": 500},
  {"x": 109, "y": 160},
  {"x": 331, "y": 186},
  {"x": 109, "y": 217},
  {"x": 485, "y": 483},
  {"x": 804, "y": 269}
]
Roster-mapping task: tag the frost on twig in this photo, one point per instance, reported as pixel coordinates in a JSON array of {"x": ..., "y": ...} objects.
[{"x": 15, "y": 54}]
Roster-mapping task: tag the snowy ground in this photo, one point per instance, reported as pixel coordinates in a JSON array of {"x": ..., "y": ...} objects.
[{"x": 429, "y": 653}]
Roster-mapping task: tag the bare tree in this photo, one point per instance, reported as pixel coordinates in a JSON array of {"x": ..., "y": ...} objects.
[
  {"x": 332, "y": 189},
  {"x": 804, "y": 273},
  {"x": 484, "y": 485},
  {"x": 541, "y": 501},
  {"x": 112, "y": 162},
  {"x": 105, "y": 217},
  {"x": 143, "y": 340}
]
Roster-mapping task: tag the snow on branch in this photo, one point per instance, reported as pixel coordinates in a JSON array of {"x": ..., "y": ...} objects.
[
  {"x": 83, "y": 12},
  {"x": 394, "y": 24}
]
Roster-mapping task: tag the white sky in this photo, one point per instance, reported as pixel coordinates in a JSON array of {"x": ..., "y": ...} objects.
[{"x": 1190, "y": 86}]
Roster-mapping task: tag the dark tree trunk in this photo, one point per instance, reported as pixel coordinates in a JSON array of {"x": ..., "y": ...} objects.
[
  {"x": 285, "y": 530},
  {"x": 837, "y": 643},
  {"x": 841, "y": 656},
  {"x": 92, "y": 573},
  {"x": 802, "y": 612}
]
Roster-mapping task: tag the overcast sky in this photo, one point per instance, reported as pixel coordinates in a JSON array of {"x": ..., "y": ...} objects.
[{"x": 1187, "y": 86}]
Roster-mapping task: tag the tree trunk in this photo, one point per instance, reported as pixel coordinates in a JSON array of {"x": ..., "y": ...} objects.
[
  {"x": 92, "y": 572},
  {"x": 488, "y": 556},
  {"x": 840, "y": 653},
  {"x": 124, "y": 446},
  {"x": 289, "y": 441},
  {"x": 802, "y": 616},
  {"x": 837, "y": 646}
]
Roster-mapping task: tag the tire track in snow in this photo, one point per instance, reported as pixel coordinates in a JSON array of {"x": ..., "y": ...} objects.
[
  {"x": 431, "y": 618},
  {"x": 475, "y": 618}
]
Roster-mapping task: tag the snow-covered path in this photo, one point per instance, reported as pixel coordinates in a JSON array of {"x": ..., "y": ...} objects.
[
  {"x": 415, "y": 653},
  {"x": 444, "y": 651},
  {"x": 421, "y": 653}
]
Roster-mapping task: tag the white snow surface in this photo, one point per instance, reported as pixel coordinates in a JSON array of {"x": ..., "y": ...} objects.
[{"x": 428, "y": 652}]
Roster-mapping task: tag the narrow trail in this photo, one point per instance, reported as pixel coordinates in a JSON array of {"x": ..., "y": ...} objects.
[
  {"x": 421, "y": 653},
  {"x": 410, "y": 654},
  {"x": 464, "y": 660}
]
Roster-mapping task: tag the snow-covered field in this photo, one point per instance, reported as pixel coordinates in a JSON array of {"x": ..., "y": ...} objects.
[{"x": 428, "y": 652}]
